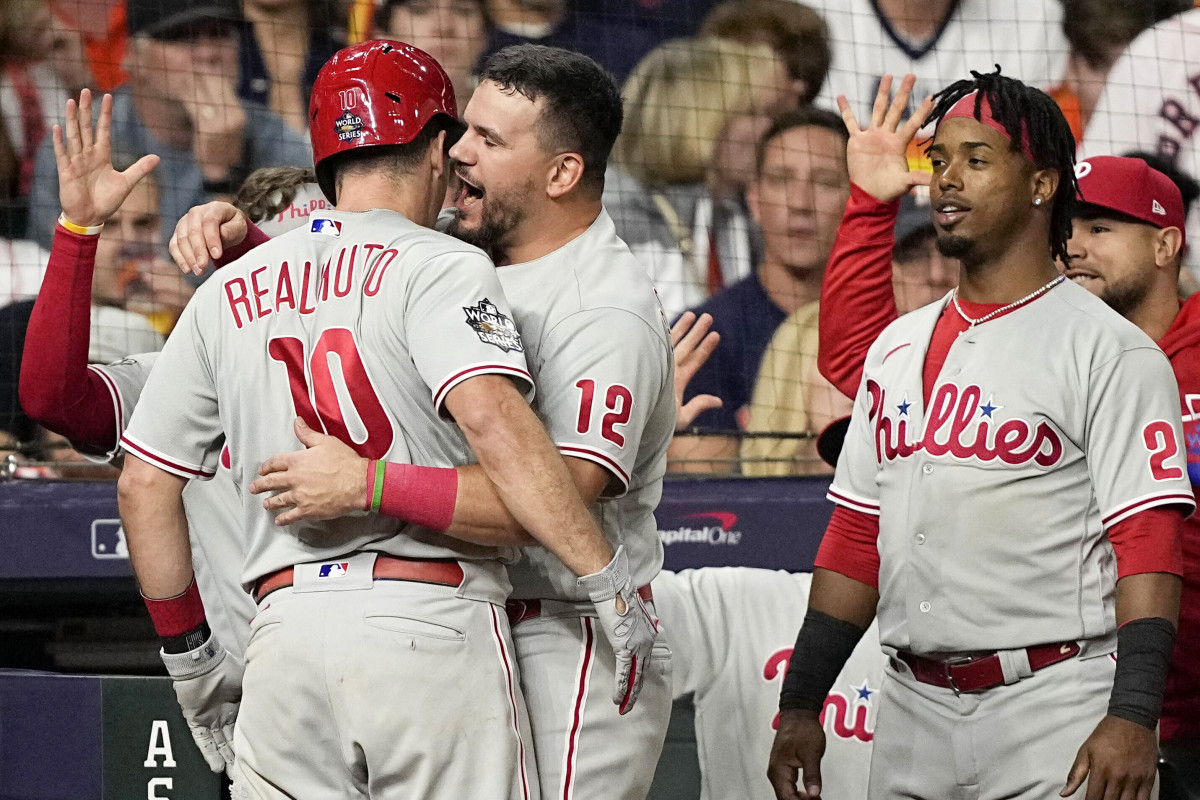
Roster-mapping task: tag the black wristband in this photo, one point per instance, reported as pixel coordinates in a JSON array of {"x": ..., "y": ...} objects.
[
  {"x": 822, "y": 648},
  {"x": 1144, "y": 649},
  {"x": 186, "y": 642}
]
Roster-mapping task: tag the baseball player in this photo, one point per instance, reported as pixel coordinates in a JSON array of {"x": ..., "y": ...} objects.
[
  {"x": 730, "y": 649},
  {"x": 1058, "y": 420},
  {"x": 381, "y": 331},
  {"x": 91, "y": 405},
  {"x": 599, "y": 348},
  {"x": 1126, "y": 247}
]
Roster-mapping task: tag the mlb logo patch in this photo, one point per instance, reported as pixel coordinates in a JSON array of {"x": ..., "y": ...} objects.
[
  {"x": 329, "y": 227},
  {"x": 337, "y": 569}
]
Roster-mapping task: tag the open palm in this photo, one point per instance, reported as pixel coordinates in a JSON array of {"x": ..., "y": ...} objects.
[
  {"x": 89, "y": 189},
  {"x": 877, "y": 156}
]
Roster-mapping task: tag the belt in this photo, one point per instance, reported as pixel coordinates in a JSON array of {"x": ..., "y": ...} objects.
[
  {"x": 521, "y": 610},
  {"x": 977, "y": 673},
  {"x": 387, "y": 568}
]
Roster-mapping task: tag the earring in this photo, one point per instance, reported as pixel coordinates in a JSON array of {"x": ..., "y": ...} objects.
[{"x": 1037, "y": 201}]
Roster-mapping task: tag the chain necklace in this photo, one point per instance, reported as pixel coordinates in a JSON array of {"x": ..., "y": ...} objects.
[{"x": 973, "y": 322}]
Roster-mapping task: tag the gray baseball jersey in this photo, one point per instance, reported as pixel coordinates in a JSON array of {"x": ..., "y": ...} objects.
[
  {"x": 214, "y": 513},
  {"x": 732, "y": 630},
  {"x": 599, "y": 347},
  {"x": 1046, "y": 426},
  {"x": 360, "y": 323}
]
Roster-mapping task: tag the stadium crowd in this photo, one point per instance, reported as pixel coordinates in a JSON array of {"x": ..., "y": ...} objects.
[{"x": 730, "y": 196}]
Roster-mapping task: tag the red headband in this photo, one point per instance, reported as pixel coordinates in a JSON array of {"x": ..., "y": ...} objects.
[{"x": 966, "y": 108}]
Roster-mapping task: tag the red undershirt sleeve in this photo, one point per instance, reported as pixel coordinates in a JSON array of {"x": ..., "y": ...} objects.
[
  {"x": 57, "y": 389},
  {"x": 1149, "y": 541},
  {"x": 254, "y": 237},
  {"x": 857, "y": 299},
  {"x": 850, "y": 546}
]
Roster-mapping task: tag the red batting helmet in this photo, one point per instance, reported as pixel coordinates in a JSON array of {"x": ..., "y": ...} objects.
[{"x": 375, "y": 93}]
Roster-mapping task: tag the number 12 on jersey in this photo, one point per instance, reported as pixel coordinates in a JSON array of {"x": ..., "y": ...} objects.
[
  {"x": 618, "y": 402},
  {"x": 319, "y": 397}
]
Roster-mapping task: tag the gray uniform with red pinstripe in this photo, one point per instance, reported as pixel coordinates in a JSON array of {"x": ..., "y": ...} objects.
[
  {"x": 213, "y": 511},
  {"x": 1046, "y": 426},
  {"x": 361, "y": 323},
  {"x": 600, "y": 350}
]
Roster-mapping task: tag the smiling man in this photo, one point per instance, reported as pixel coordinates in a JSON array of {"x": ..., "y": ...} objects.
[{"x": 1010, "y": 444}]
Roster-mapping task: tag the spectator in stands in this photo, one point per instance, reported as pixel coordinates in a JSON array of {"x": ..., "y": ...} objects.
[
  {"x": 660, "y": 19},
  {"x": 452, "y": 31},
  {"x": 797, "y": 199},
  {"x": 26, "y": 38},
  {"x": 614, "y": 43},
  {"x": 104, "y": 35},
  {"x": 939, "y": 41},
  {"x": 1151, "y": 102},
  {"x": 131, "y": 237},
  {"x": 658, "y": 190},
  {"x": 792, "y": 397},
  {"x": 282, "y": 49},
  {"x": 797, "y": 33},
  {"x": 181, "y": 103},
  {"x": 1098, "y": 32}
]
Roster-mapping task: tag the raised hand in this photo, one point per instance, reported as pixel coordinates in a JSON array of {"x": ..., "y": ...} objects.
[
  {"x": 89, "y": 189},
  {"x": 876, "y": 157}
]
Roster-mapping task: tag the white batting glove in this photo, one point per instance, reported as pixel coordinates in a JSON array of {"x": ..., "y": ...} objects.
[
  {"x": 631, "y": 634},
  {"x": 208, "y": 685}
]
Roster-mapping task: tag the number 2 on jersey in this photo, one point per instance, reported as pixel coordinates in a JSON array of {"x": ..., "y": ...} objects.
[
  {"x": 312, "y": 379},
  {"x": 1159, "y": 437},
  {"x": 618, "y": 400}
]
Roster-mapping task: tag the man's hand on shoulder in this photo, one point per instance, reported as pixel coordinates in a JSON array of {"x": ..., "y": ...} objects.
[{"x": 203, "y": 233}]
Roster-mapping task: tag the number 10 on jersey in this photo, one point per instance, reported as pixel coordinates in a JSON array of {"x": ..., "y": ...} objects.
[{"x": 318, "y": 396}]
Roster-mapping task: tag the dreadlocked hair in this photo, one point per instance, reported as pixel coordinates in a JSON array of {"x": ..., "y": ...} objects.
[{"x": 1034, "y": 123}]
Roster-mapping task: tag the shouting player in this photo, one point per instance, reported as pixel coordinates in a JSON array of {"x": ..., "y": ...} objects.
[
  {"x": 540, "y": 128},
  {"x": 1008, "y": 445},
  {"x": 367, "y": 324}
]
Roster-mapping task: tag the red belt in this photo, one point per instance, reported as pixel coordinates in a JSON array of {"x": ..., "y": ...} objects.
[
  {"x": 977, "y": 673},
  {"x": 387, "y": 568},
  {"x": 521, "y": 610}
]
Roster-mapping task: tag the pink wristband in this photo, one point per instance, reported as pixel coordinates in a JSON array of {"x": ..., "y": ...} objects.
[
  {"x": 177, "y": 615},
  {"x": 424, "y": 496}
]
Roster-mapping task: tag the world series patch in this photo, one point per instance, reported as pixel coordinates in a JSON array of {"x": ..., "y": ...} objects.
[
  {"x": 493, "y": 327},
  {"x": 349, "y": 126}
]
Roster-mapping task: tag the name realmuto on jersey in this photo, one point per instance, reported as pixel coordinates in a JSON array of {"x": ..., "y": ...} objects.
[
  {"x": 959, "y": 424},
  {"x": 254, "y": 297}
]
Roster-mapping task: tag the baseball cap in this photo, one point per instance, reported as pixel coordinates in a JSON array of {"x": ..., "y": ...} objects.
[
  {"x": 1130, "y": 187},
  {"x": 163, "y": 19}
]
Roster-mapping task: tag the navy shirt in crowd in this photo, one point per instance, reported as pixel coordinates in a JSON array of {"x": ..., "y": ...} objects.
[
  {"x": 616, "y": 46},
  {"x": 746, "y": 318}
]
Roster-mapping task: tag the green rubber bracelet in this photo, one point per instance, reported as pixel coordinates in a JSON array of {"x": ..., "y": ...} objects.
[{"x": 377, "y": 492}]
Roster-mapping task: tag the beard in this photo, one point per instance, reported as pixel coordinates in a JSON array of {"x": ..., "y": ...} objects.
[
  {"x": 501, "y": 213},
  {"x": 1126, "y": 296},
  {"x": 954, "y": 246}
]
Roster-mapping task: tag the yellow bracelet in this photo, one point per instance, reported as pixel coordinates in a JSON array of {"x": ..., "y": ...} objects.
[{"x": 82, "y": 230}]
